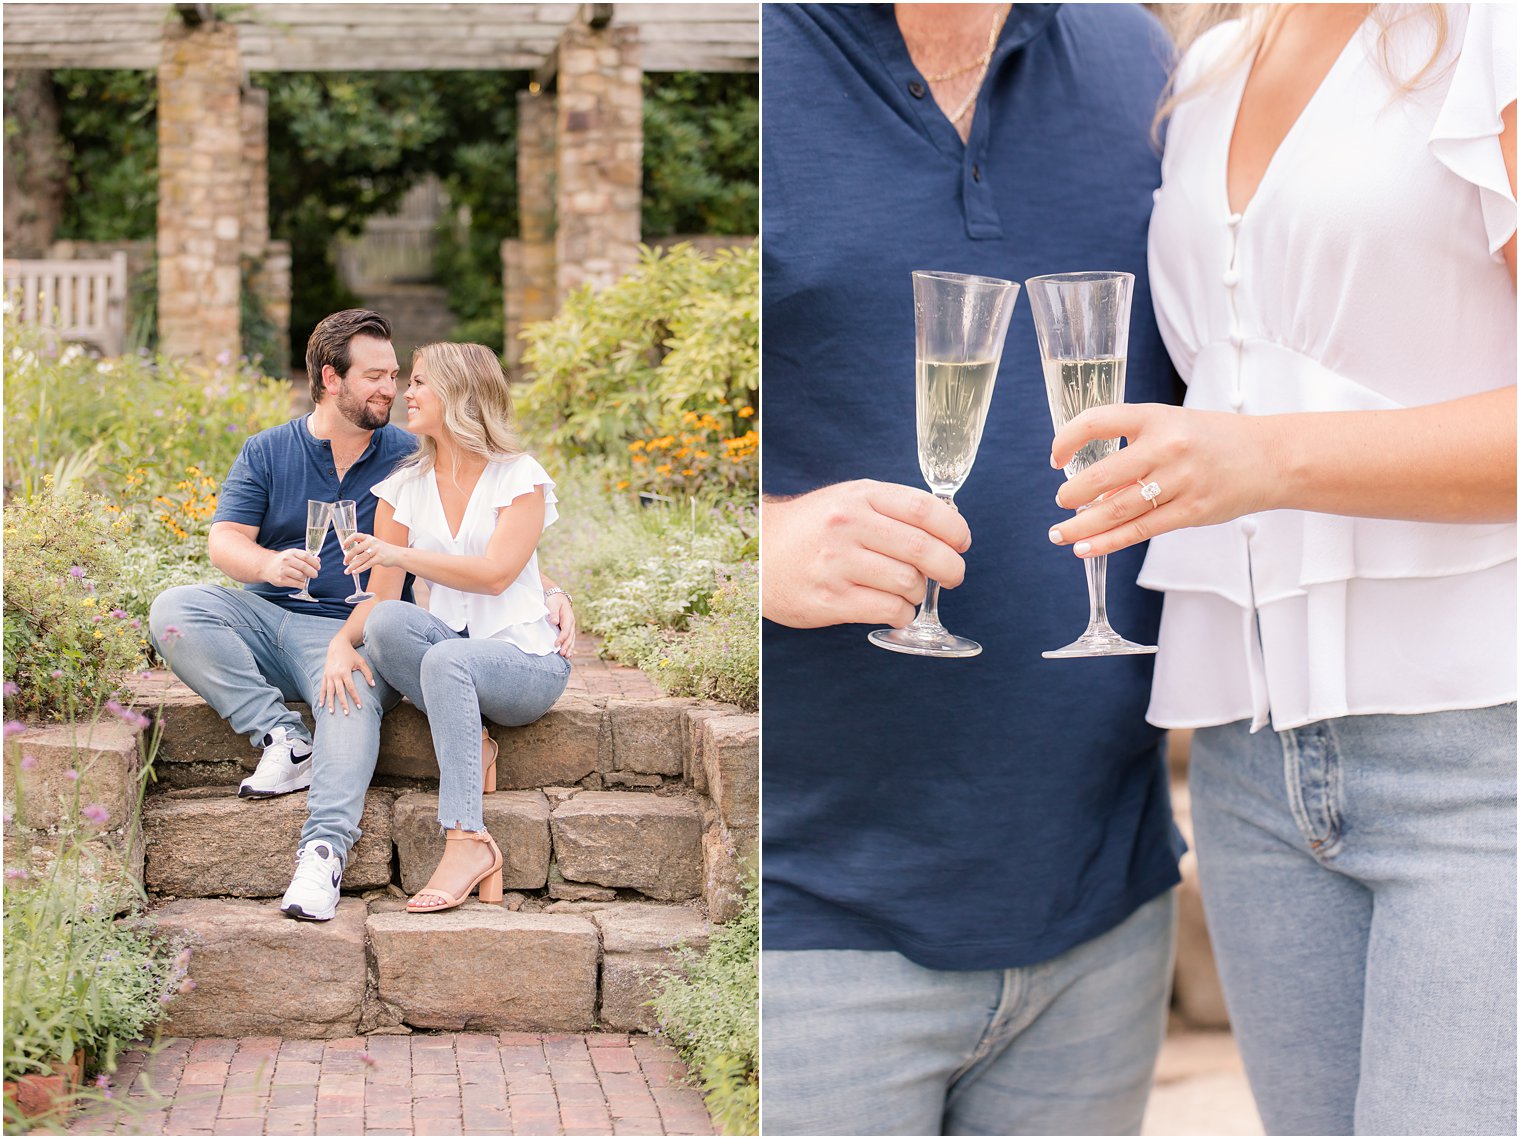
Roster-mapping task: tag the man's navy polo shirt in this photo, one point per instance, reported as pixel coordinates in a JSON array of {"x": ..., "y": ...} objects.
[
  {"x": 996, "y": 811},
  {"x": 275, "y": 474}
]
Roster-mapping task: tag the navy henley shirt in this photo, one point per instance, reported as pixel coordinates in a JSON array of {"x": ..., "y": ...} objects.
[
  {"x": 272, "y": 478},
  {"x": 996, "y": 811}
]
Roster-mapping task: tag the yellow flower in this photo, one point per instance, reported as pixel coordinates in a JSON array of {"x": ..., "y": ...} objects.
[
  {"x": 664, "y": 468},
  {"x": 636, "y": 446},
  {"x": 196, "y": 471},
  {"x": 688, "y": 472},
  {"x": 622, "y": 484},
  {"x": 87, "y": 601},
  {"x": 746, "y": 411},
  {"x": 702, "y": 454},
  {"x": 99, "y": 635}
]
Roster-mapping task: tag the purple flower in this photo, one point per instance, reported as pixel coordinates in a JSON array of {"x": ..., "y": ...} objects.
[
  {"x": 13, "y": 728},
  {"x": 187, "y": 985},
  {"x": 135, "y": 623},
  {"x": 182, "y": 959},
  {"x": 28, "y": 761},
  {"x": 16, "y": 874},
  {"x": 171, "y": 634},
  {"x": 119, "y": 614},
  {"x": 77, "y": 572},
  {"x": 369, "y": 1060},
  {"x": 96, "y": 814},
  {"x": 166, "y": 998},
  {"x": 103, "y": 1082},
  {"x": 56, "y": 674},
  {"x": 10, "y": 688},
  {"x": 71, "y": 775}
]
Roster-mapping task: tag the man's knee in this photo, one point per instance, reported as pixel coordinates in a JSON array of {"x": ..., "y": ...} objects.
[{"x": 176, "y": 611}]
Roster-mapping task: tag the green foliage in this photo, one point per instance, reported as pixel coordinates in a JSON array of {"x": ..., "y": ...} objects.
[
  {"x": 76, "y": 977},
  {"x": 95, "y": 421},
  {"x": 108, "y": 121},
  {"x": 719, "y": 658},
  {"x": 680, "y": 334},
  {"x": 68, "y": 641},
  {"x": 701, "y": 153},
  {"x": 711, "y": 1010}
]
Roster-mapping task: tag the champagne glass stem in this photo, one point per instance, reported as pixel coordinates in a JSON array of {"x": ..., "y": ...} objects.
[
  {"x": 928, "y": 612},
  {"x": 1097, "y": 592}
]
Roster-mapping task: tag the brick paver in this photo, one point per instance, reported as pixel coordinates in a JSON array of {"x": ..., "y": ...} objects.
[{"x": 467, "y": 1083}]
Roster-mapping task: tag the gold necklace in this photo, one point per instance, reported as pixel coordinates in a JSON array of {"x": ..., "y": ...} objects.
[{"x": 982, "y": 61}]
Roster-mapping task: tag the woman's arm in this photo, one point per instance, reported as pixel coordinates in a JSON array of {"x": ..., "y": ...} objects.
[
  {"x": 343, "y": 658},
  {"x": 518, "y": 526}
]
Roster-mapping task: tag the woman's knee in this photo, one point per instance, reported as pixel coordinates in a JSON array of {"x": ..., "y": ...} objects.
[{"x": 389, "y": 624}]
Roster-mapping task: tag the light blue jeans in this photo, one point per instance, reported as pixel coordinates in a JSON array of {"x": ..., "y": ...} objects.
[
  {"x": 868, "y": 1043},
  {"x": 454, "y": 680},
  {"x": 246, "y": 657},
  {"x": 1359, "y": 881}
]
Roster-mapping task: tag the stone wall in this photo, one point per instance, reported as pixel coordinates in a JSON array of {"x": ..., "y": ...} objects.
[
  {"x": 202, "y": 190},
  {"x": 528, "y": 273}
]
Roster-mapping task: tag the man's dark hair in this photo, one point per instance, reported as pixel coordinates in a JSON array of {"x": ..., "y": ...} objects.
[{"x": 330, "y": 340}]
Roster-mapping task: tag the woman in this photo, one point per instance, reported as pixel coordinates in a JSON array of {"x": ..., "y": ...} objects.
[
  {"x": 464, "y": 514},
  {"x": 1333, "y": 265}
]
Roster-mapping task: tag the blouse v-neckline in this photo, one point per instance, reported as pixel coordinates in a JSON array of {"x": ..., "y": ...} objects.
[
  {"x": 1294, "y": 131},
  {"x": 468, "y": 503}
]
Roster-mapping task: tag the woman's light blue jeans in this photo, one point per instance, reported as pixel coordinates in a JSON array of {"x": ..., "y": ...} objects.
[
  {"x": 869, "y": 1043},
  {"x": 1359, "y": 881},
  {"x": 454, "y": 681}
]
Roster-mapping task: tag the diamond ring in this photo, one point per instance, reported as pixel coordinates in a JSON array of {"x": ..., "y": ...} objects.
[{"x": 1150, "y": 491}]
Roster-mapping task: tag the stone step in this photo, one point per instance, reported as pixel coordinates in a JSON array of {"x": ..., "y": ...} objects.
[
  {"x": 376, "y": 968},
  {"x": 205, "y": 842}
]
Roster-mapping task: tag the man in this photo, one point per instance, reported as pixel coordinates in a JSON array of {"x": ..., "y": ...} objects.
[
  {"x": 968, "y": 917},
  {"x": 247, "y": 652}
]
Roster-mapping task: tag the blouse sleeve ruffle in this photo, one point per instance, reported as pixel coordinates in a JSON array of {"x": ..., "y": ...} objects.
[
  {"x": 1465, "y": 138},
  {"x": 517, "y": 477},
  {"x": 396, "y": 489}
]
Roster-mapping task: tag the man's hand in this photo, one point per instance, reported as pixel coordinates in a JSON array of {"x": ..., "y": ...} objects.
[
  {"x": 343, "y": 660},
  {"x": 857, "y": 552},
  {"x": 562, "y": 614},
  {"x": 290, "y": 567}
]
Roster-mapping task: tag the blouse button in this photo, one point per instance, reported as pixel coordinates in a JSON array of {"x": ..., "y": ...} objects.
[
  {"x": 1232, "y": 221},
  {"x": 1237, "y": 399},
  {"x": 1248, "y": 527},
  {"x": 1237, "y": 337},
  {"x": 1231, "y": 278}
]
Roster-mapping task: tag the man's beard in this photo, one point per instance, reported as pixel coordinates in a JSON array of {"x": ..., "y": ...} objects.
[{"x": 359, "y": 413}]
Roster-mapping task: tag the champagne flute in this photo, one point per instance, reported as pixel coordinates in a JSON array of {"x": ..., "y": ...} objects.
[
  {"x": 317, "y": 516},
  {"x": 1082, "y": 322},
  {"x": 960, "y": 323},
  {"x": 345, "y": 514}
]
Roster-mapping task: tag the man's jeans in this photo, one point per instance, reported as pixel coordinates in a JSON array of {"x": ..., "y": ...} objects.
[
  {"x": 1359, "y": 881},
  {"x": 868, "y": 1043},
  {"x": 246, "y": 657}
]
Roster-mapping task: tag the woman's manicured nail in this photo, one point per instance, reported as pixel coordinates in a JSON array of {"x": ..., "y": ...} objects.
[
  {"x": 1055, "y": 535},
  {"x": 1082, "y": 549},
  {"x": 1055, "y": 466}
]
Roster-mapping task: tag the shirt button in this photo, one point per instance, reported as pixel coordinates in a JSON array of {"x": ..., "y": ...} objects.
[
  {"x": 917, "y": 89},
  {"x": 1237, "y": 399},
  {"x": 1248, "y": 527},
  {"x": 1231, "y": 278},
  {"x": 1237, "y": 337},
  {"x": 1232, "y": 221},
  {"x": 976, "y": 173}
]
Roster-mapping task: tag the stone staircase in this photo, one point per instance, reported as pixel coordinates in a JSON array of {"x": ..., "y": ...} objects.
[{"x": 625, "y": 824}]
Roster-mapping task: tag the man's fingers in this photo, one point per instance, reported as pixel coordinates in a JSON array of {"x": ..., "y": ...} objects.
[
  {"x": 882, "y": 574},
  {"x": 922, "y": 511},
  {"x": 924, "y": 552}
]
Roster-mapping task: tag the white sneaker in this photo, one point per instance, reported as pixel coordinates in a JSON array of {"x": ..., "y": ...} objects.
[
  {"x": 284, "y": 767},
  {"x": 313, "y": 892}
]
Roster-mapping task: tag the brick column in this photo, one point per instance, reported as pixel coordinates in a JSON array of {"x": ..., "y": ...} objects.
[
  {"x": 201, "y": 190},
  {"x": 600, "y": 156},
  {"x": 528, "y": 277}
]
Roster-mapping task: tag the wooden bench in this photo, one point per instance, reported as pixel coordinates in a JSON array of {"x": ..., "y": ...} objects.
[{"x": 85, "y": 301}]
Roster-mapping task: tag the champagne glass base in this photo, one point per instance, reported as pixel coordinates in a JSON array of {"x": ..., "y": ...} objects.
[
  {"x": 924, "y": 642},
  {"x": 1099, "y": 642},
  {"x": 302, "y": 595},
  {"x": 358, "y": 597}
]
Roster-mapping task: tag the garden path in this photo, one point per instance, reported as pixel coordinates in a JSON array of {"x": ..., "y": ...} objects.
[{"x": 450, "y": 1084}]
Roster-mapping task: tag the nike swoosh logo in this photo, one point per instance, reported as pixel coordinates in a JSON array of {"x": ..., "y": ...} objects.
[{"x": 337, "y": 877}]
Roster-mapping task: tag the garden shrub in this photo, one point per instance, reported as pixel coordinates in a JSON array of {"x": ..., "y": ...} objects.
[
  {"x": 719, "y": 657},
  {"x": 679, "y": 334},
  {"x": 68, "y": 641},
  {"x": 711, "y": 1012}
]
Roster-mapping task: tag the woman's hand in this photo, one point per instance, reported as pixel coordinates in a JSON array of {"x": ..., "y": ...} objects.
[
  {"x": 562, "y": 614},
  {"x": 343, "y": 660},
  {"x": 365, "y": 552},
  {"x": 1209, "y": 467}
]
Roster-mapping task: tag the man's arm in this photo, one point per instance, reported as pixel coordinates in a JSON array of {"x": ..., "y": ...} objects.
[
  {"x": 236, "y": 552},
  {"x": 856, "y": 552}
]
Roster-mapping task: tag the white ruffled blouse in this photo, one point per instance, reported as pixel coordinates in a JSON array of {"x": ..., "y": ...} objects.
[
  {"x": 1366, "y": 273},
  {"x": 516, "y": 615}
]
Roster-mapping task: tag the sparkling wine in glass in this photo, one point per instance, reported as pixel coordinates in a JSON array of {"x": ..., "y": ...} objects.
[
  {"x": 1082, "y": 322},
  {"x": 318, "y": 514},
  {"x": 960, "y": 323},
  {"x": 345, "y": 515}
]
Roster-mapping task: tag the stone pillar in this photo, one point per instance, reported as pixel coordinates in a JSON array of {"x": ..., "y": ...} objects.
[
  {"x": 600, "y": 155},
  {"x": 34, "y": 167},
  {"x": 528, "y": 277},
  {"x": 201, "y": 188},
  {"x": 267, "y": 262}
]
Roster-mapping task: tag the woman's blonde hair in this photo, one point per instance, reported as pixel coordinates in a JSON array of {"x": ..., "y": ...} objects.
[
  {"x": 475, "y": 398},
  {"x": 1186, "y": 22}
]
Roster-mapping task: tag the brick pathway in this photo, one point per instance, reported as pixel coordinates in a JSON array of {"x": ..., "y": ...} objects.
[{"x": 452, "y": 1084}]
